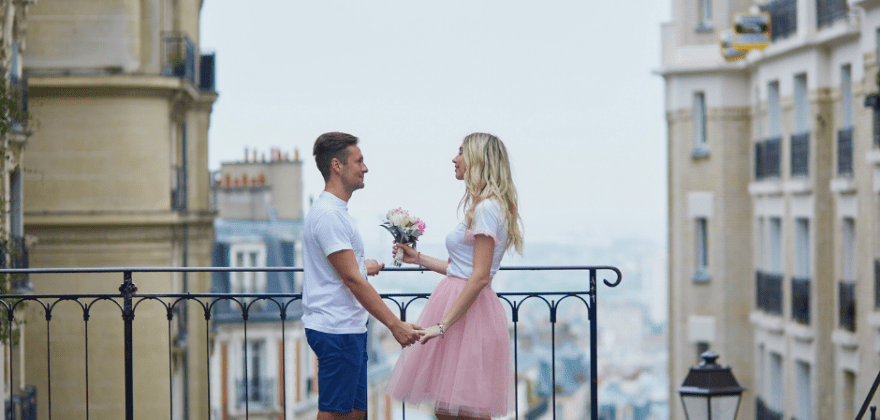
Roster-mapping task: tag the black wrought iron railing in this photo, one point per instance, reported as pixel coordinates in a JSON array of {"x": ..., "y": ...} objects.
[
  {"x": 783, "y": 18},
  {"x": 259, "y": 392},
  {"x": 767, "y": 155},
  {"x": 845, "y": 152},
  {"x": 847, "y": 302},
  {"x": 830, "y": 11},
  {"x": 867, "y": 403},
  {"x": 768, "y": 292},
  {"x": 179, "y": 59},
  {"x": 128, "y": 300},
  {"x": 800, "y": 154},
  {"x": 764, "y": 412},
  {"x": 800, "y": 300}
]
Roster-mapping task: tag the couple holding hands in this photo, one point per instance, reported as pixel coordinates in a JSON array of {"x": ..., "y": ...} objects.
[{"x": 461, "y": 363}]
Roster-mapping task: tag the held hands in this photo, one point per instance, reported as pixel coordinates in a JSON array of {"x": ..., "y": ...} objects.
[
  {"x": 410, "y": 255},
  {"x": 406, "y": 333},
  {"x": 432, "y": 332},
  {"x": 373, "y": 267}
]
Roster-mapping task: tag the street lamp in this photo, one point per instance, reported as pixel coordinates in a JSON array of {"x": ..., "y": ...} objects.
[{"x": 710, "y": 392}]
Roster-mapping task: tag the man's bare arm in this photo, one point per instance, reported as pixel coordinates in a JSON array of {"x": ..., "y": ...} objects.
[{"x": 345, "y": 264}]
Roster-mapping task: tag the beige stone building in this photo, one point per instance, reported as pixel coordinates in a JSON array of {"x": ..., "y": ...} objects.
[
  {"x": 774, "y": 175},
  {"x": 116, "y": 175},
  {"x": 15, "y": 133}
]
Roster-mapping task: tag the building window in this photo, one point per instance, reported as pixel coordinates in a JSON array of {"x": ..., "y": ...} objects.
[
  {"x": 846, "y": 97},
  {"x": 701, "y": 145},
  {"x": 251, "y": 255},
  {"x": 774, "y": 112},
  {"x": 849, "y": 395},
  {"x": 802, "y": 248},
  {"x": 777, "y": 387},
  {"x": 701, "y": 250},
  {"x": 775, "y": 245},
  {"x": 801, "y": 105},
  {"x": 849, "y": 249},
  {"x": 705, "y": 14},
  {"x": 804, "y": 394}
]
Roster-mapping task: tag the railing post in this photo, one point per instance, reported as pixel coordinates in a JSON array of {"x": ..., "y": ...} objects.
[
  {"x": 594, "y": 359},
  {"x": 128, "y": 289}
]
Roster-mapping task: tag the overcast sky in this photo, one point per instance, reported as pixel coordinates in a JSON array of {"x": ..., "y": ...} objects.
[{"x": 567, "y": 85}]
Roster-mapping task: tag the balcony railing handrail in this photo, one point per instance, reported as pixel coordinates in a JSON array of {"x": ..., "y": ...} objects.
[{"x": 129, "y": 300}]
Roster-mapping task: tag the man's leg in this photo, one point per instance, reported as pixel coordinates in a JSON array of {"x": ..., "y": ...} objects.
[{"x": 339, "y": 374}]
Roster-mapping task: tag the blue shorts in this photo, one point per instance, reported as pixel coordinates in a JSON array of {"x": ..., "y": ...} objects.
[{"x": 342, "y": 370}]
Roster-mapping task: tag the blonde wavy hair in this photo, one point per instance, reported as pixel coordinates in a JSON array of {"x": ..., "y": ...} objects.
[{"x": 487, "y": 174}]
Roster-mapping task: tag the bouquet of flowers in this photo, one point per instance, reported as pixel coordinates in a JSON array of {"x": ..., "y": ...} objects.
[{"x": 404, "y": 228}]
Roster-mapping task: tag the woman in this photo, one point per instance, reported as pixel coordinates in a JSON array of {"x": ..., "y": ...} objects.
[{"x": 462, "y": 365}]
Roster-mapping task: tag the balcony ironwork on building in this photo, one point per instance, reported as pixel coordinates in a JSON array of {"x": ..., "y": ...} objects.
[
  {"x": 800, "y": 154},
  {"x": 767, "y": 156},
  {"x": 127, "y": 301},
  {"x": 800, "y": 300},
  {"x": 845, "y": 152},
  {"x": 15, "y": 254},
  {"x": 179, "y": 58},
  {"x": 768, "y": 292},
  {"x": 830, "y": 11},
  {"x": 847, "y": 301},
  {"x": 783, "y": 18},
  {"x": 256, "y": 391}
]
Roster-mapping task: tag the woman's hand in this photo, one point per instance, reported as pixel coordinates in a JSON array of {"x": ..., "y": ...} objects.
[
  {"x": 410, "y": 255},
  {"x": 431, "y": 332}
]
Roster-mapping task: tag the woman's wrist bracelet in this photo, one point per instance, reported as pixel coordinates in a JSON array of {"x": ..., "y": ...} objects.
[
  {"x": 419, "y": 259},
  {"x": 440, "y": 325}
]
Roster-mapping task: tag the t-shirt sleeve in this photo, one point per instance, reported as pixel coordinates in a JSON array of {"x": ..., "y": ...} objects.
[
  {"x": 487, "y": 221},
  {"x": 333, "y": 233}
]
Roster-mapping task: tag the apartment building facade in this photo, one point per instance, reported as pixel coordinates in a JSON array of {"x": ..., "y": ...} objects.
[
  {"x": 774, "y": 175},
  {"x": 117, "y": 176}
]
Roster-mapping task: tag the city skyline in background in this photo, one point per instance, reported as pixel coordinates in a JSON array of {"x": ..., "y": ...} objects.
[{"x": 582, "y": 120}]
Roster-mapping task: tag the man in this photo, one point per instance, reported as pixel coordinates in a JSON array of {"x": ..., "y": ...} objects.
[{"x": 337, "y": 299}]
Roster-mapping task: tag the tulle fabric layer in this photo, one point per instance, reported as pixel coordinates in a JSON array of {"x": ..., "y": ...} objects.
[{"x": 466, "y": 373}]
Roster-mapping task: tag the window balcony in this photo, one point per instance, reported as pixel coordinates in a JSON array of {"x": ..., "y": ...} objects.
[
  {"x": 18, "y": 91},
  {"x": 847, "y": 302},
  {"x": 800, "y": 300},
  {"x": 830, "y": 11},
  {"x": 259, "y": 393},
  {"x": 783, "y": 18},
  {"x": 767, "y": 156},
  {"x": 768, "y": 292},
  {"x": 800, "y": 154},
  {"x": 845, "y": 152}
]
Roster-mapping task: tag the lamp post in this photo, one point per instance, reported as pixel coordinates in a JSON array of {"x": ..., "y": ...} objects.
[{"x": 709, "y": 391}]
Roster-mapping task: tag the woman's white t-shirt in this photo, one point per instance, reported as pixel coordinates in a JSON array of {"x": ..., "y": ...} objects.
[{"x": 488, "y": 220}]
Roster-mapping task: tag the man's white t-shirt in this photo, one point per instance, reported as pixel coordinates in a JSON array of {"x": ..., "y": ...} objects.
[{"x": 328, "y": 304}]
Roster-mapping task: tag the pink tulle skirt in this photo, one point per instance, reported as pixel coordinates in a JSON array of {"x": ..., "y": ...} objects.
[{"x": 466, "y": 373}]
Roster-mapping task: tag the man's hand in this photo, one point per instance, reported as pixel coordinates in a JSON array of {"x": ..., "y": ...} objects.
[
  {"x": 373, "y": 267},
  {"x": 406, "y": 333}
]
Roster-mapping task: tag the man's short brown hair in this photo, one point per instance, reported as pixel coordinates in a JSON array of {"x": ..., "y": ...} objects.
[{"x": 331, "y": 146}]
